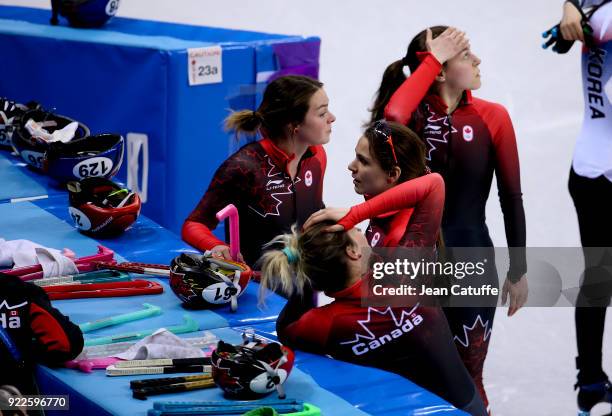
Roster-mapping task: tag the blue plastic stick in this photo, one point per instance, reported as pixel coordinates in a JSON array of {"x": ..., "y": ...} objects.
[
  {"x": 189, "y": 325},
  {"x": 150, "y": 310},
  {"x": 166, "y": 405}
]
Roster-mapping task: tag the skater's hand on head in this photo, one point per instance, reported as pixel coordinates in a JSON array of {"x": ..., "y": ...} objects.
[
  {"x": 518, "y": 294},
  {"x": 327, "y": 214},
  {"x": 448, "y": 45},
  {"x": 571, "y": 23}
]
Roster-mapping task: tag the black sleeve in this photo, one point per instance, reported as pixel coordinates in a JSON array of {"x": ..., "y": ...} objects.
[
  {"x": 294, "y": 309},
  {"x": 230, "y": 184}
]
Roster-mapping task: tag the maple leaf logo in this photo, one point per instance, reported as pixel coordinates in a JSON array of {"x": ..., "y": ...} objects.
[
  {"x": 431, "y": 141},
  {"x": 478, "y": 332},
  {"x": 272, "y": 172},
  {"x": 5, "y": 304},
  {"x": 368, "y": 335}
]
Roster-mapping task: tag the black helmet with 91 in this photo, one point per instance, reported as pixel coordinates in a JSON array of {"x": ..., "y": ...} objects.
[{"x": 204, "y": 281}]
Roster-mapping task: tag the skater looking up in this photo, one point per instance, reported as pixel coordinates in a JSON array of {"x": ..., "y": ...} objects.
[{"x": 467, "y": 140}]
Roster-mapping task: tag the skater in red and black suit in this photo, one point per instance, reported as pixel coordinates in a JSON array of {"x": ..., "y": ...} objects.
[
  {"x": 35, "y": 332},
  {"x": 387, "y": 155},
  {"x": 413, "y": 341},
  {"x": 467, "y": 140},
  {"x": 276, "y": 181}
]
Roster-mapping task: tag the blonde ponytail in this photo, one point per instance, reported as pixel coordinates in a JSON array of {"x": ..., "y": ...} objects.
[
  {"x": 315, "y": 258},
  {"x": 282, "y": 269}
]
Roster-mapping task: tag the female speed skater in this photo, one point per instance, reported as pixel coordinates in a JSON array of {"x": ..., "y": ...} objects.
[
  {"x": 276, "y": 181},
  {"x": 467, "y": 140},
  {"x": 335, "y": 257}
]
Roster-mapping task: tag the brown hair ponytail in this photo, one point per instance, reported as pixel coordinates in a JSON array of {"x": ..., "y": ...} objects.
[
  {"x": 392, "y": 78},
  {"x": 285, "y": 102},
  {"x": 394, "y": 74},
  {"x": 244, "y": 121}
]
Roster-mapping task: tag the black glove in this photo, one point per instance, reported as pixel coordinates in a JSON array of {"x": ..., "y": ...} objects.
[{"x": 561, "y": 45}]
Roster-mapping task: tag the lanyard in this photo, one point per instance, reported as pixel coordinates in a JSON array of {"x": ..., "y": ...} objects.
[{"x": 10, "y": 345}]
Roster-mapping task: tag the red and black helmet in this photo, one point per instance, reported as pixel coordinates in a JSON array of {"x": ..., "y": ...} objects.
[
  {"x": 252, "y": 369},
  {"x": 100, "y": 206},
  {"x": 204, "y": 281}
]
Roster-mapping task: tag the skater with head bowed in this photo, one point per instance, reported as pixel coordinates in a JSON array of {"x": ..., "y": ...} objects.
[
  {"x": 275, "y": 181},
  {"x": 413, "y": 341},
  {"x": 467, "y": 140},
  {"x": 404, "y": 204}
]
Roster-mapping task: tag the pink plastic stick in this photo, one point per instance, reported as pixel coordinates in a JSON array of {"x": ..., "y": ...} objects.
[
  {"x": 88, "y": 365},
  {"x": 231, "y": 212},
  {"x": 84, "y": 264}
]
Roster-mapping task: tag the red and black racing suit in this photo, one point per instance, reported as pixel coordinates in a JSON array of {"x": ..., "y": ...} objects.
[
  {"x": 39, "y": 331},
  {"x": 256, "y": 180},
  {"x": 466, "y": 147},
  {"x": 415, "y": 341}
]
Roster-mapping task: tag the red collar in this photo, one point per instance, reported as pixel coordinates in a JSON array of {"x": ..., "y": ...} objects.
[
  {"x": 279, "y": 157},
  {"x": 440, "y": 106},
  {"x": 351, "y": 292}
]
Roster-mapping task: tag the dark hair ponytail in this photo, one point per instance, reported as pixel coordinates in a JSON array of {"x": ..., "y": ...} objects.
[
  {"x": 244, "y": 121},
  {"x": 391, "y": 81},
  {"x": 285, "y": 101},
  {"x": 394, "y": 74}
]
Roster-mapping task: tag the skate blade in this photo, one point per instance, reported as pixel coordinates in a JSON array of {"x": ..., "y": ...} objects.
[{"x": 598, "y": 410}]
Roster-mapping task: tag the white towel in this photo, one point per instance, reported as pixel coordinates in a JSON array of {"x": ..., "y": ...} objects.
[
  {"x": 63, "y": 135},
  {"x": 21, "y": 253},
  {"x": 161, "y": 344}
]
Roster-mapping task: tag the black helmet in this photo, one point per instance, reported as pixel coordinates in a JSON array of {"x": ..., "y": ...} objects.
[
  {"x": 32, "y": 149},
  {"x": 10, "y": 113},
  {"x": 91, "y": 156},
  {"x": 203, "y": 281},
  {"x": 252, "y": 369},
  {"x": 84, "y": 13}
]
